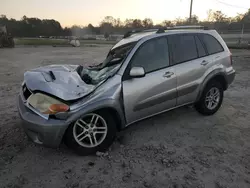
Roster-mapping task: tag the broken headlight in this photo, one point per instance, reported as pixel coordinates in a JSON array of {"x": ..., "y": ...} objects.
[{"x": 46, "y": 104}]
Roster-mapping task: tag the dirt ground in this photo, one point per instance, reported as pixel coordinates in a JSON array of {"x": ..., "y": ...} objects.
[{"x": 180, "y": 148}]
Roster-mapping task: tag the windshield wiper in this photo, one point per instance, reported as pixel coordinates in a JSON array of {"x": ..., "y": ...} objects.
[{"x": 52, "y": 75}]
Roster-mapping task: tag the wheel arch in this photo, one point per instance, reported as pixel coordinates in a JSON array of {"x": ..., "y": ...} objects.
[
  {"x": 115, "y": 115},
  {"x": 103, "y": 105},
  {"x": 118, "y": 115},
  {"x": 216, "y": 75}
]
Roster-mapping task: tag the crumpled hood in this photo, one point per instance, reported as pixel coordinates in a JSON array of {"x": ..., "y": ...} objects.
[{"x": 61, "y": 81}]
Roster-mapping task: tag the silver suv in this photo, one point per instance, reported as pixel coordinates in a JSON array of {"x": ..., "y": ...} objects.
[{"x": 146, "y": 73}]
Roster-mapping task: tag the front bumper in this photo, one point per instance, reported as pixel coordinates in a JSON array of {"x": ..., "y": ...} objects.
[{"x": 41, "y": 131}]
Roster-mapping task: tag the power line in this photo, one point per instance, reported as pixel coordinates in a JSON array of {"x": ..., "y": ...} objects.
[{"x": 235, "y": 6}]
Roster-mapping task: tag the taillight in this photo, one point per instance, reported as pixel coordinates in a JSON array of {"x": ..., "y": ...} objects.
[{"x": 231, "y": 59}]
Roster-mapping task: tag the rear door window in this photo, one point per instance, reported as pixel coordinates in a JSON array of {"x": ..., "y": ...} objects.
[
  {"x": 183, "y": 48},
  {"x": 212, "y": 44},
  {"x": 200, "y": 47}
]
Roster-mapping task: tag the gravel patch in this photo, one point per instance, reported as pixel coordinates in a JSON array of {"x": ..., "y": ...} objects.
[{"x": 177, "y": 149}]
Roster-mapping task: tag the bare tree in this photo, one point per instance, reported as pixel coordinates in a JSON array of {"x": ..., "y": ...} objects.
[
  {"x": 194, "y": 19},
  {"x": 109, "y": 19},
  {"x": 147, "y": 23},
  {"x": 238, "y": 18},
  {"x": 137, "y": 23},
  {"x": 246, "y": 17},
  {"x": 118, "y": 23},
  {"x": 218, "y": 16},
  {"x": 129, "y": 23},
  {"x": 167, "y": 23},
  {"x": 210, "y": 15}
]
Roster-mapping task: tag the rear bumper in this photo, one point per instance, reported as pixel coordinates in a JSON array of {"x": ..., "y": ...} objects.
[
  {"x": 230, "y": 77},
  {"x": 41, "y": 131}
]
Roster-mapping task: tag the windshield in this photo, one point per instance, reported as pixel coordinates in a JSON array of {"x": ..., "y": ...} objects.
[{"x": 97, "y": 73}]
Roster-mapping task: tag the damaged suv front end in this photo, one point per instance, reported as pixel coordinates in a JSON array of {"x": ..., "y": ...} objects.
[{"x": 53, "y": 97}]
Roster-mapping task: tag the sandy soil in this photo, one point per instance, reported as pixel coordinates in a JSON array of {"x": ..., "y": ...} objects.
[{"x": 176, "y": 149}]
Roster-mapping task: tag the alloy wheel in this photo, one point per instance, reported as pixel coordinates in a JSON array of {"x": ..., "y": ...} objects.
[
  {"x": 90, "y": 130},
  {"x": 212, "y": 98}
]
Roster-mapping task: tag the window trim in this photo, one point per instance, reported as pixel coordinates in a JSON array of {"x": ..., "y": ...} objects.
[
  {"x": 126, "y": 76},
  {"x": 200, "y": 34},
  {"x": 171, "y": 51}
]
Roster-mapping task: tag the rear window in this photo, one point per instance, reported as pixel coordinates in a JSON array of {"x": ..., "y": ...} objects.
[
  {"x": 183, "y": 48},
  {"x": 212, "y": 44}
]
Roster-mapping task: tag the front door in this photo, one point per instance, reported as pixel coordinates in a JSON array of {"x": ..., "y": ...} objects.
[{"x": 156, "y": 91}]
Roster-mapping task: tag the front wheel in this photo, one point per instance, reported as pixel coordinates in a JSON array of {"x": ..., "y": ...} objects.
[
  {"x": 211, "y": 99},
  {"x": 91, "y": 133}
]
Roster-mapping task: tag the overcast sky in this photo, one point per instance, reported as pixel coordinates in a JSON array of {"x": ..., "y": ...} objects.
[{"x": 82, "y": 12}]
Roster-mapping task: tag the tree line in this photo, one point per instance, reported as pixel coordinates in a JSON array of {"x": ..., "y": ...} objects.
[{"x": 34, "y": 27}]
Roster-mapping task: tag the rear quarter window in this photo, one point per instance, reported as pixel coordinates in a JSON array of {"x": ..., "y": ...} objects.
[{"x": 212, "y": 44}]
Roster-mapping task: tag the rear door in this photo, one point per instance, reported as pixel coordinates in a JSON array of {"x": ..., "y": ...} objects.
[
  {"x": 216, "y": 53},
  {"x": 189, "y": 58},
  {"x": 156, "y": 91}
]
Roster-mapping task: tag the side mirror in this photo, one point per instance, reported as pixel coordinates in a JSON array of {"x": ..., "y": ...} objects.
[{"x": 137, "y": 72}]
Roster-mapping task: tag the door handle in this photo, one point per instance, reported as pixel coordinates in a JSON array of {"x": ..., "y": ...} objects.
[
  {"x": 204, "y": 62},
  {"x": 168, "y": 74}
]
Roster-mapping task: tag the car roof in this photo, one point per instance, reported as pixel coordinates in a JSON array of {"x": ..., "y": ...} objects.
[{"x": 134, "y": 37}]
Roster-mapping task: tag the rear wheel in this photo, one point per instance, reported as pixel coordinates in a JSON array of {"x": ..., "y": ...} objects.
[
  {"x": 211, "y": 99},
  {"x": 91, "y": 133}
]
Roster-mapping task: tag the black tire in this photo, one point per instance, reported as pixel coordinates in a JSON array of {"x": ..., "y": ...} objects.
[
  {"x": 201, "y": 106},
  {"x": 80, "y": 150}
]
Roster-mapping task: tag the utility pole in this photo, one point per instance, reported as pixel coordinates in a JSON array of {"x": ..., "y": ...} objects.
[{"x": 190, "y": 14}]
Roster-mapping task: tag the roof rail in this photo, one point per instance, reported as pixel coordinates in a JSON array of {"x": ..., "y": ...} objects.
[
  {"x": 188, "y": 27},
  {"x": 162, "y": 30},
  {"x": 129, "y": 33}
]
